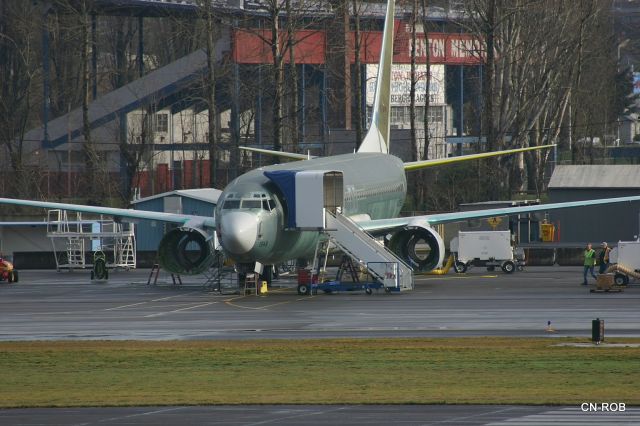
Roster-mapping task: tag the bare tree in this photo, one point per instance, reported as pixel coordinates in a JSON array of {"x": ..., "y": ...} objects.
[
  {"x": 531, "y": 67},
  {"x": 19, "y": 66},
  {"x": 357, "y": 42},
  {"x": 211, "y": 36}
]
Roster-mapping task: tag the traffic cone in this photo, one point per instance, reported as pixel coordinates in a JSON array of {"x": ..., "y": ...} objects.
[{"x": 549, "y": 329}]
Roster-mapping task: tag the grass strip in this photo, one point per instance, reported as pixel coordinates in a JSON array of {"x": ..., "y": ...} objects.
[{"x": 341, "y": 371}]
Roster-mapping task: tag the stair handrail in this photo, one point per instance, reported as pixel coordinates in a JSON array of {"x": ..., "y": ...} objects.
[{"x": 354, "y": 227}]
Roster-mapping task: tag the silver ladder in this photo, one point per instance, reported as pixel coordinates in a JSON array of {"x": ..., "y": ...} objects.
[
  {"x": 75, "y": 252},
  {"x": 125, "y": 252},
  {"x": 358, "y": 244}
]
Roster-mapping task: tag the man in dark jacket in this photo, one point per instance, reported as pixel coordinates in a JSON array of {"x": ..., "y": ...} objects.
[{"x": 603, "y": 258}]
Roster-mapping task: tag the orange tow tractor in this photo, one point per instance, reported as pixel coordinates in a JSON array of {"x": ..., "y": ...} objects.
[{"x": 7, "y": 272}]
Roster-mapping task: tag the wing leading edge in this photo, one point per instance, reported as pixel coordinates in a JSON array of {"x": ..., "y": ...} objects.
[
  {"x": 380, "y": 225},
  {"x": 179, "y": 219},
  {"x": 415, "y": 165}
]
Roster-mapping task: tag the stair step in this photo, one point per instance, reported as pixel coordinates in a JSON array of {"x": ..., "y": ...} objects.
[{"x": 381, "y": 263}]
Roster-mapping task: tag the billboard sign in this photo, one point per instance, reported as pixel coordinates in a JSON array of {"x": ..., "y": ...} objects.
[
  {"x": 401, "y": 84},
  {"x": 250, "y": 46}
]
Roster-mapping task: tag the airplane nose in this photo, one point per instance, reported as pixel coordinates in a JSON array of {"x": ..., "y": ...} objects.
[{"x": 238, "y": 231}]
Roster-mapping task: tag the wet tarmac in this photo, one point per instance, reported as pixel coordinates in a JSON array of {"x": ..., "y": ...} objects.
[{"x": 46, "y": 305}]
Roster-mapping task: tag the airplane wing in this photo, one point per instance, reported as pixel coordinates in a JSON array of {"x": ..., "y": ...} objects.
[
  {"x": 415, "y": 165},
  {"x": 291, "y": 155},
  {"x": 382, "y": 225},
  {"x": 178, "y": 219}
]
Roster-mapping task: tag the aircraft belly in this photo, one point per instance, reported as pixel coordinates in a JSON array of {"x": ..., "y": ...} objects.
[{"x": 291, "y": 245}]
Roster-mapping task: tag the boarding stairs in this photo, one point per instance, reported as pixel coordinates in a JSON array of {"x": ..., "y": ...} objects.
[{"x": 359, "y": 245}]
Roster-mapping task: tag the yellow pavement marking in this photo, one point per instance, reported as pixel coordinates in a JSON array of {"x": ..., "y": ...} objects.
[
  {"x": 148, "y": 301},
  {"x": 179, "y": 310},
  {"x": 461, "y": 277},
  {"x": 230, "y": 302}
]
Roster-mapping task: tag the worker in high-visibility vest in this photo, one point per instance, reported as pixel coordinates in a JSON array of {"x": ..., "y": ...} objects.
[{"x": 589, "y": 262}]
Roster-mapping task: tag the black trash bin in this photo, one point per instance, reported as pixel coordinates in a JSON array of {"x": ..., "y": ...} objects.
[{"x": 597, "y": 331}]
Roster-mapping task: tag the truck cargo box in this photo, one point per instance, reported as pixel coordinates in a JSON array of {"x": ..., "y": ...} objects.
[{"x": 484, "y": 245}]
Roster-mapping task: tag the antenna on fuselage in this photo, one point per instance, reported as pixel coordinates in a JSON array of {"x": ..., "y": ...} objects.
[{"x": 377, "y": 138}]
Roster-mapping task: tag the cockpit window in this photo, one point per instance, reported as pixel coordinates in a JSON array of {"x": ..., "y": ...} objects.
[
  {"x": 231, "y": 204},
  {"x": 251, "y": 204}
]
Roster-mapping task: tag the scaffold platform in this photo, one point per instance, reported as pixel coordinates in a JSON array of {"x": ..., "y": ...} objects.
[{"x": 72, "y": 237}]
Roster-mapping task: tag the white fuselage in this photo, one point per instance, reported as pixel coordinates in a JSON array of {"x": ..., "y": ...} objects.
[{"x": 251, "y": 213}]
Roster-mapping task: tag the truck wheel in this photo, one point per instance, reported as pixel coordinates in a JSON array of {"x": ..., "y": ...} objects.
[
  {"x": 15, "y": 276},
  {"x": 303, "y": 289},
  {"x": 10, "y": 277},
  {"x": 508, "y": 267},
  {"x": 460, "y": 267},
  {"x": 620, "y": 279},
  {"x": 368, "y": 290}
]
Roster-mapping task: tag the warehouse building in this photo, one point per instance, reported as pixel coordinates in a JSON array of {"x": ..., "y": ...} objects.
[
  {"x": 595, "y": 224},
  {"x": 200, "y": 202}
]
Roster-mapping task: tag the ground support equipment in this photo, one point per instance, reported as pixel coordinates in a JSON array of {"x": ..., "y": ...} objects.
[{"x": 338, "y": 286}]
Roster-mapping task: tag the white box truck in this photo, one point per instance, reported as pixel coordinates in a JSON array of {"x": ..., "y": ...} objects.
[
  {"x": 626, "y": 259},
  {"x": 492, "y": 247}
]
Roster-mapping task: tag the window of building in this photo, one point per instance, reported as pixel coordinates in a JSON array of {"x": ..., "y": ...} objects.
[
  {"x": 162, "y": 123},
  {"x": 436, "y": 114}
]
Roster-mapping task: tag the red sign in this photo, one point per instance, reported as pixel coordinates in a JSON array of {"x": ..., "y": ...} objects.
[{"x": 254, "y": 47}]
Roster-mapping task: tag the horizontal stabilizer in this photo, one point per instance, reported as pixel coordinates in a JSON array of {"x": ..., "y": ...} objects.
[{"x": 291, "y": 155}]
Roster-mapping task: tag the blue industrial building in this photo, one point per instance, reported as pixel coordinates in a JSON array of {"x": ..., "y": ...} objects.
[{"x": 201, "y": 202}]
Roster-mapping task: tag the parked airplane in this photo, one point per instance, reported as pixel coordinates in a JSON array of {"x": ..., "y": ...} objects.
[{"x": 256, "y": 218}]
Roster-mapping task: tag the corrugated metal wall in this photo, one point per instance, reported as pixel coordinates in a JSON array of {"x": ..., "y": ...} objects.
[
  {"x": 149, "y": 233},
  {"x": 611, "y": 223}
]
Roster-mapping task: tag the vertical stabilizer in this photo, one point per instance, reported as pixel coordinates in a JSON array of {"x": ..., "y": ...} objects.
[{"x": 377, "y": 138}]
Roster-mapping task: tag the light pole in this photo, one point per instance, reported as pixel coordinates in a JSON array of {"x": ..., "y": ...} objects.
[{"x": 622, "y": 44}]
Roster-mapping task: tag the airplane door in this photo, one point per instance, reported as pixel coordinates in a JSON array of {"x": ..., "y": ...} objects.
[
  {"x": 309, "y": 194},
  {"x": 316, "y": 192}
]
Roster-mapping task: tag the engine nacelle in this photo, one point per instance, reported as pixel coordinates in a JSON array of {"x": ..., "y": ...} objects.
[
  {"x": 421, "y": 247},
  {"x": 186, "y": 251}
]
